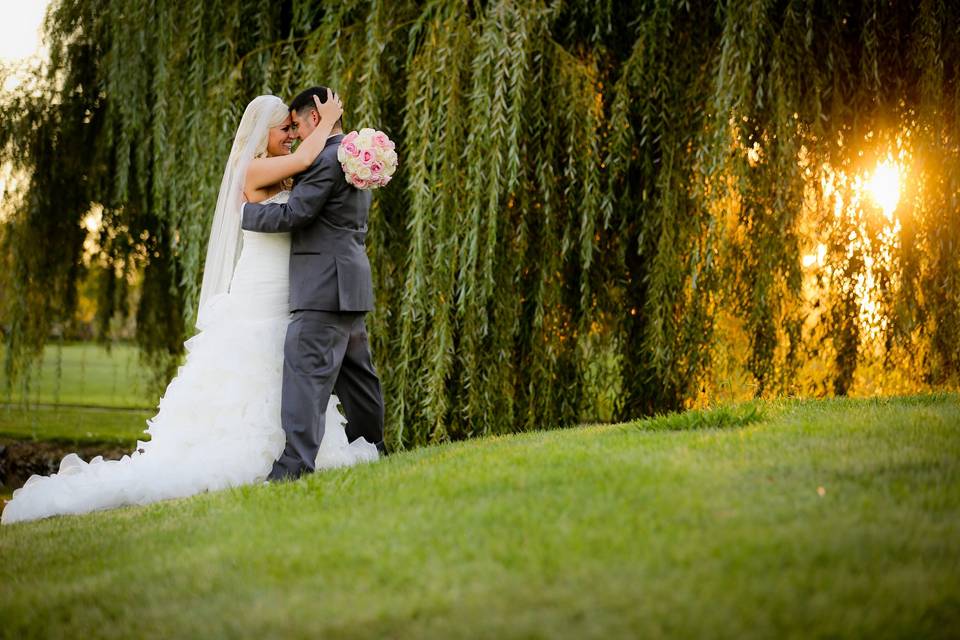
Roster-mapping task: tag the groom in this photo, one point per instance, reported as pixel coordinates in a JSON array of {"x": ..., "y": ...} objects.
[{"x": 331, "y": 289}]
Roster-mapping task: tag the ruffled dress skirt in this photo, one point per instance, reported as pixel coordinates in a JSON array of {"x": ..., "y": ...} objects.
[{"x": 218, "y": 423}]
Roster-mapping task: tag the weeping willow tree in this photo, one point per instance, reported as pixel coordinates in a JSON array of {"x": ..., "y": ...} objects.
[{"x": 637, "y": 183}]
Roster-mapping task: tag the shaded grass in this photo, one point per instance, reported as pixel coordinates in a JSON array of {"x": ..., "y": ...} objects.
[
  {"x": 74, "y": 425},
  {"x": 89, "y": 375},
  {"x": 803, "y": 519}
]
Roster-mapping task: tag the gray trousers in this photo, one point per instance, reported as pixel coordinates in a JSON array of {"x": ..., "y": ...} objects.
[{"x": 324, "y": 352}]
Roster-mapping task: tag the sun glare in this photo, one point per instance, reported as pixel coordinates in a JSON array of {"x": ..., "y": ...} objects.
[
  {"x": 860, "y": 235},
  {"x": 884, "y": 187}
]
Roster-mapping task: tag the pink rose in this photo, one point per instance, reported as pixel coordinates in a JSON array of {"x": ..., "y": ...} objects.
[
  {"x": 380, "y": 139},
  {"x": 351, "y": 148},
  {"x": 360, "y": 184},
  {"x": 350, "y": 137},
  {"x": 366, "y": 157},
  {"x": 376, "y": 167}
]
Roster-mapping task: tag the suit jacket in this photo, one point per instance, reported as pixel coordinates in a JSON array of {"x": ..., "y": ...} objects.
[{"x": 327, "y": 219}]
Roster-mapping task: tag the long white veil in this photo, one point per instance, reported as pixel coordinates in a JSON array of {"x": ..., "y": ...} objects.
[{"x": 223, "y": 248}]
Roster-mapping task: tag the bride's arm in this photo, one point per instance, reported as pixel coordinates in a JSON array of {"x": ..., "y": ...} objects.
[{"x": 263, "y": 172}]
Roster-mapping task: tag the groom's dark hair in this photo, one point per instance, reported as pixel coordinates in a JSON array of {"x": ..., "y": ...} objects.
[{"x": 303, "y": 103}]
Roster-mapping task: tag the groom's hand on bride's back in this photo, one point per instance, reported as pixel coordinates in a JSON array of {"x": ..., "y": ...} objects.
[{"x": 305, "y": 204}]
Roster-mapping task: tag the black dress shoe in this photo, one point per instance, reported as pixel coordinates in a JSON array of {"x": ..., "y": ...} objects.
[{"x": 280, "y": 473}]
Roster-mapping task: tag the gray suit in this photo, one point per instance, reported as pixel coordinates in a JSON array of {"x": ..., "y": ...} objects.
[{"x": 331, "y": 290}]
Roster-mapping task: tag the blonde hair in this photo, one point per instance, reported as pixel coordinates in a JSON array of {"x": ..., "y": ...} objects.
[
  {"x": 223, "y": 248},
  {"x": 277, "y": 112}
]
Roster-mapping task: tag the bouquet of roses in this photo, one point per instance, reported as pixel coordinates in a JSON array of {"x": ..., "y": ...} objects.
[{"x": 368, "y": 158}]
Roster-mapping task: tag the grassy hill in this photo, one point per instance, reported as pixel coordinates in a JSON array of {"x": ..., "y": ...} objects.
[{"x": 807, "y": 519}]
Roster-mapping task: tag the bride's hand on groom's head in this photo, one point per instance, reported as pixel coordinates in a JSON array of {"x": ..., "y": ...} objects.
[
  {"x": 312, "y": 144},
  {"x": 331, "y": 110}
]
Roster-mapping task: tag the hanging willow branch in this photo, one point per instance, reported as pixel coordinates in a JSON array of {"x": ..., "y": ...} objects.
[{"x": 621, "y": 187}]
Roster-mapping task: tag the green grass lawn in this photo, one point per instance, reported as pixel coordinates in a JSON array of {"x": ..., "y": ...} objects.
[
  {"x": 90, "y": 375},
  {"x": 77, "y": 425},
  {"x": 802, "y": 519},
  {"x": 102, "y": 397}
]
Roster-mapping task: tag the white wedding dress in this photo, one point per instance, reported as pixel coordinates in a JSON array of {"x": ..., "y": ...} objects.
[{"x": 218, "y": 423}]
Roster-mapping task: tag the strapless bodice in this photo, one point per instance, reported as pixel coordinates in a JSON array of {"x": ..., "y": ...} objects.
[
  {"x": 271, "y": 242},
  {"x": 263, "y": 270}
]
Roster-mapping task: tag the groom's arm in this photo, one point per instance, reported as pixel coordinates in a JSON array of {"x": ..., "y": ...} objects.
[{"x": 305, "y": 203}]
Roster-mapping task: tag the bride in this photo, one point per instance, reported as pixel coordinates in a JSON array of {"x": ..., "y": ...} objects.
[{"x": 218, "y": 423}]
